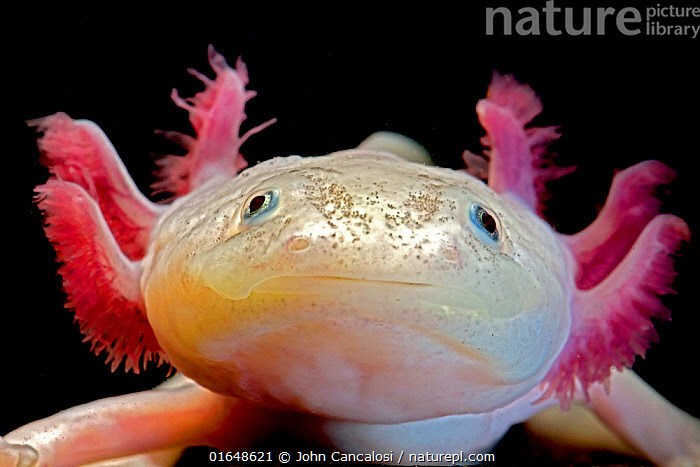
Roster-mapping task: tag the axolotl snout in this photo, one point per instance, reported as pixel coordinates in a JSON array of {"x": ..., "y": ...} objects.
[{"x": 362, "y": 299}]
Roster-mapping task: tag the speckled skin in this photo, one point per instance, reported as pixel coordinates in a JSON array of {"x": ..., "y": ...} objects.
[{"x": 392, "y": 265}]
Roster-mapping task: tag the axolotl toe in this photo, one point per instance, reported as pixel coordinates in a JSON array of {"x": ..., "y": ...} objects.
[{"x": 385, "y": 307}]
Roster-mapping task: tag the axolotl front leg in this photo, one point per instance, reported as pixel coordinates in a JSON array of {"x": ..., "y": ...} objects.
[
  {"x": 161, "y": 422},
  {"x": 623, "y": 415},
  {"x": 646, "y": 420}
]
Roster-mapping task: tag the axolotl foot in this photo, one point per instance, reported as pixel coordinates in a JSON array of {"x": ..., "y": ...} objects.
[{"x": 20, "y": 455}]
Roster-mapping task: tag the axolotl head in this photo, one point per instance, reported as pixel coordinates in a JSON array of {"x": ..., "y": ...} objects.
[{"x": 360, "y": 286}]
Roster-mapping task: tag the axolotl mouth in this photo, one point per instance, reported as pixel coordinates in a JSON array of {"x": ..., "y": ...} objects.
[
  {"x": 447, "y": 297},
  {"x": 361, "y": 349}
]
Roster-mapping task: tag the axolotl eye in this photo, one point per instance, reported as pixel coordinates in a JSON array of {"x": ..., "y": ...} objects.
[
  {"x": 486, "y": 223},
  {"x": 260, "y": 204}
]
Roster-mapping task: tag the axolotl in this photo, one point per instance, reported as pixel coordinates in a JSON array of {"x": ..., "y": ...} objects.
[{"x": 364, "y": 299}]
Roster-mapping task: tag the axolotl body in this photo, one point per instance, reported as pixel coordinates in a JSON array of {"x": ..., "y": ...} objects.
[{"x": 377, "y": 304}]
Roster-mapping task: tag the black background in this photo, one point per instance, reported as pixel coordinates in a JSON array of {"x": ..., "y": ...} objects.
[{"x": 331, "y": 77}]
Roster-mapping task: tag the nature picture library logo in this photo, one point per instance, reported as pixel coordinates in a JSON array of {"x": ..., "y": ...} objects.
[{"x": 553, "y": 20}]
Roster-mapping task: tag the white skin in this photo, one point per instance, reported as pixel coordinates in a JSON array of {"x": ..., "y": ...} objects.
[{"x": 369, "y": 313}]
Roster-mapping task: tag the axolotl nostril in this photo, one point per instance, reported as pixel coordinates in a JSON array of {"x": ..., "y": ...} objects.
[{"x": 364, "y": 298}]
